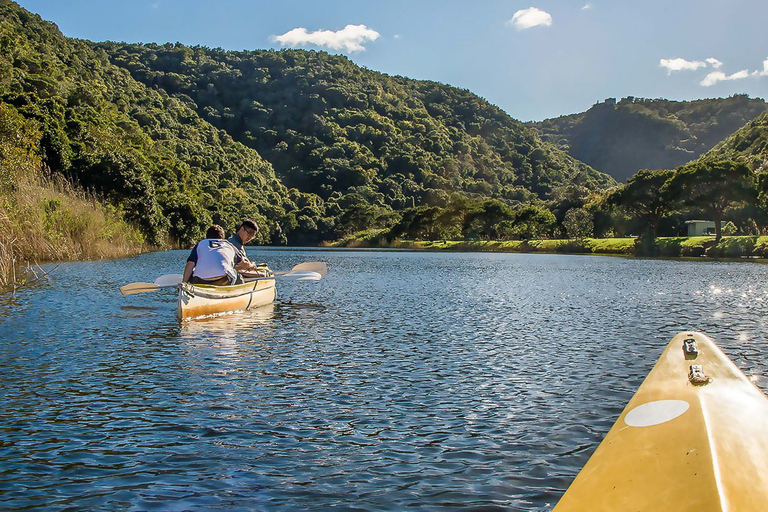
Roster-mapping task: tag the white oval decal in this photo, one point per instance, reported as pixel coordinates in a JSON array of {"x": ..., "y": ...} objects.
[{"x": 655, "y": 413}]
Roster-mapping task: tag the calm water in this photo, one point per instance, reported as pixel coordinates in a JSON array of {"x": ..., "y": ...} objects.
[{"x": 399, "y": 380}]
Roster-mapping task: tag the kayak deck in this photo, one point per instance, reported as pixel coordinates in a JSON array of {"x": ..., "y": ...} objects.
[{"x": 694, "y": 437}]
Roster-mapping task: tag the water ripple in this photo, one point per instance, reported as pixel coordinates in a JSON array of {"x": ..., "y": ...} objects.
[{"x": 402, "y": 379}]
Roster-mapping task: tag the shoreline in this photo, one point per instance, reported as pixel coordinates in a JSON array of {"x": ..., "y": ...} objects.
[
  {"x": 730, "y": 248},
  {"x": 752, "y": 248}
]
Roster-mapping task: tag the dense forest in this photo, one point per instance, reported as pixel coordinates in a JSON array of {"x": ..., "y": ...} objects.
[
  {"x": 749, "y": 144},
  {"x": 368, "y": 145},
  {"x": 147, "y": 153},
  {"x": 620, "y": 138},
  {"x": 174, "y": 139},
  {"x": 315, "y": 148}
]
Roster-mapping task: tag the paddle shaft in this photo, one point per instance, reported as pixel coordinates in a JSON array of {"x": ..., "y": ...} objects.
[{"x": 309, "y": 271}]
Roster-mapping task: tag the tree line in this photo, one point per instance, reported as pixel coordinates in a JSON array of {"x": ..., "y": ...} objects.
[{"x": 652, "y": 203}]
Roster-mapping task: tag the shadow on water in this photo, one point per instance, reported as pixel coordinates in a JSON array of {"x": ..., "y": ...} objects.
[
  {"x": 10, "y": 304},
  {"x": 138, "y": 308}
]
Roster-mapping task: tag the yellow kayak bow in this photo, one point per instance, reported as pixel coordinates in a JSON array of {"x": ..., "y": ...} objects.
[{"x": 694, "y": 437}]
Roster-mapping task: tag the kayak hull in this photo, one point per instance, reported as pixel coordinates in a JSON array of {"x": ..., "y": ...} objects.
[
  {"x": 694, "y": 437},
  {"x": 197, "y": 301}
]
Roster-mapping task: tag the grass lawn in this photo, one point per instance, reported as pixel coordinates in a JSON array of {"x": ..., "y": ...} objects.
[{"x": 729, "y": 246}]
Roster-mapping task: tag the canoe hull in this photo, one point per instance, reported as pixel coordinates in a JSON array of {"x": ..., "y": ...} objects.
[
  {"x": 687, "y": 441},
  {"x": 197, "y": 301}
]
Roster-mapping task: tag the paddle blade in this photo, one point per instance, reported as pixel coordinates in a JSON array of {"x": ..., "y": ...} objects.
[
  {"x": 311, "y": 266},
  {"x": 301, "y": 276},
  {"x": 168, "y": 280},
  {"x": 133, "y": 288}
]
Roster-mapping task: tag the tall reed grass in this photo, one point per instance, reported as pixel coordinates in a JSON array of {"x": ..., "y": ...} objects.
[{"x": 45, "y": 219}]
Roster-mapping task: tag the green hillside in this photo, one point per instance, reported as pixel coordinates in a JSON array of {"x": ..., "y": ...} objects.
[
  {"x": 749, "y": 145},
  {"x": 327, "y": 125},
  {"x": 310, "y": 145},
  {"x": 166, "y": 169},
  {"x": 634, "y": 133}
]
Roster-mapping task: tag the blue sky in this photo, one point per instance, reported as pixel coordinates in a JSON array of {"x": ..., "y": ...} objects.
[{"x": 535, "y": 58}]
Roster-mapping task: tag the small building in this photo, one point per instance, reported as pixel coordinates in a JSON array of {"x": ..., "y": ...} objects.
[{"x": 700, "y": 227}]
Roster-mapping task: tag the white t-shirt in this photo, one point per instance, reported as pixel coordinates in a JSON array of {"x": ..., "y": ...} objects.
[{"x": 214, "y": 258}]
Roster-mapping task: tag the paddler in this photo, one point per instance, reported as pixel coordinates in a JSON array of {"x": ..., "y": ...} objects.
[
  {"x": 247, "y": 230},
  {"x": 213, "y": 260}
]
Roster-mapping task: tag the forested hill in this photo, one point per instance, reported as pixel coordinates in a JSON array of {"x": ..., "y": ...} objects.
[
  {"x": 749, "y": 145},
  {"x": 149, "y": 154},
  {"x": 176, "y": 138},
  {"x": 330, "y": 127},
  {"x": 622, "y": 137}
]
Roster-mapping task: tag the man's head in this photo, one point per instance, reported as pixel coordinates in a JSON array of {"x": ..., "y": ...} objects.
[
  {"x": 215, "y": 231},
  {"x": 247, "y": 230}
]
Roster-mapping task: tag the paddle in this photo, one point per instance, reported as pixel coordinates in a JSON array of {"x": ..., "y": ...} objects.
[
  {"x": 164, "y": 281},
  {"x": 310, "y": 266},
  {"x": 310, "y": 271},
  {"x": 288, "y": 276}
]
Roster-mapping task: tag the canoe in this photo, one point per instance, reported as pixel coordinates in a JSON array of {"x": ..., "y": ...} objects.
[
  {"x": 205, "y": 300},
  {"x": 694, "y": 437}
]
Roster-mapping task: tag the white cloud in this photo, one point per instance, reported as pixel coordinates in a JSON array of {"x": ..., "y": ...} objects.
[
  {"x": 719, "y": 76},
  {"x": 530, "y": 17},
  {"x": 681, "y": 64},
  {"x": 764, "y": 72},
  {"x": 715, "y": 76},
  {"x": 351, "y": 38},
  {"x": 586, "y": 6},
  {"x": 714, "y": 62}
]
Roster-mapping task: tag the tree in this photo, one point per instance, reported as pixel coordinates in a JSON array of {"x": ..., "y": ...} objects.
[
  {"x": 578, "y": 223},
  {"x": 485, "y": 219},
  {"x": 357, "y": 214},
  {"x": 566, "y": 197},
  {"x": 642, "y": 198},
  {"x": 712, "y": 187},
  {"x": 19, "y": 146},
  {"x": 532, "y": 222}
]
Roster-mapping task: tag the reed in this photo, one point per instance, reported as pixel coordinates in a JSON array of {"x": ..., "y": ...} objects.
[
  {"x": 42, "y": 216},
  {"x": 45, "y": 219}
]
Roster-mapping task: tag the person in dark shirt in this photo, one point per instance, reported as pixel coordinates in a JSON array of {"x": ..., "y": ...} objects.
[{"x": 244, "y": 234}]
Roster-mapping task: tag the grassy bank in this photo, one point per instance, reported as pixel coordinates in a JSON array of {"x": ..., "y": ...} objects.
[
  {"x": 41, "y": 220},
  {"x": 46, "y": 219},
  {"x": 729, "y": 246}
]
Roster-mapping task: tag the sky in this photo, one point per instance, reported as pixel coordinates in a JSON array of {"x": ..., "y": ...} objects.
[{"x": 535, "y": 59}]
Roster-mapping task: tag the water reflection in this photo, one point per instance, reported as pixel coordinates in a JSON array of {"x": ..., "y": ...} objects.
[{"x": 229, "y": 325}]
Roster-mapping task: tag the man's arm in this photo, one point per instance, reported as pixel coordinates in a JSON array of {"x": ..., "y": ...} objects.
[
  {"x": 246, "y": 266},
  {"x": 188, "y": 268}
]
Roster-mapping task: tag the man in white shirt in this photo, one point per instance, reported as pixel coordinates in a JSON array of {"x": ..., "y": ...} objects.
[{"x": 213, "y": 260}]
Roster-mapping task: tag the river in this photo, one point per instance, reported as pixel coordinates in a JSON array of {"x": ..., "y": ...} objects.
[{"x": 401, "y": 379}]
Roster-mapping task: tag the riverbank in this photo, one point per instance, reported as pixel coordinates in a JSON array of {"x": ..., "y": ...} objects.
[
  {"x": 699, "y": 246},
  {"x": 45, "y": 220}
]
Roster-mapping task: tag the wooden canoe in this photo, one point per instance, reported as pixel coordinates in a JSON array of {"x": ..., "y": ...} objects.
[
  {"x": 205, "y": 300},
  {"x": 694, "y": 437}
]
